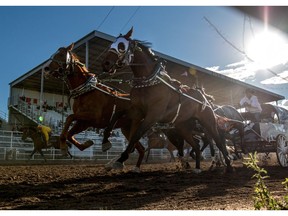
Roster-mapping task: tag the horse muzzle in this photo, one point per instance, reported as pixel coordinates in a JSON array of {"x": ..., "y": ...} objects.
[{"x": 109, "y": 67}]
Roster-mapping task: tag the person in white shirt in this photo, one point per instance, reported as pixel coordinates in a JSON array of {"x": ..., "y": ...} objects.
[{"x": 251, "y": 104}]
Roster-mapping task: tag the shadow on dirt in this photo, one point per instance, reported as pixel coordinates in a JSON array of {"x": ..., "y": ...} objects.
[{"x": 126, "y": 191}]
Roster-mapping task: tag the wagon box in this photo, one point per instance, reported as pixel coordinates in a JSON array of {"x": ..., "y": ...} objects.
[
  {"x": 269, "y": 131},
  {"x": 269, "y": 135}
]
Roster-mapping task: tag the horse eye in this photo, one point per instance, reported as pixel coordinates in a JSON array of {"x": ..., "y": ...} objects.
[{"x": 121, "y": 47}]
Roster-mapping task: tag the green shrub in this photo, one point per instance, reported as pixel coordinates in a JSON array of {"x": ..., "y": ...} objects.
[{"x": 263, "y": 198}]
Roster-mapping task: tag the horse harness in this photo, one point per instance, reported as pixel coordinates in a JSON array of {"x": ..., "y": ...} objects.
[
  {"x": 160, "y": 75},
  {"x": 91, "y": 83}
]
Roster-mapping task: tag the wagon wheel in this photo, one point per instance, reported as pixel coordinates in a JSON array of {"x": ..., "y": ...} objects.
[{"x": 282, "y": 150}]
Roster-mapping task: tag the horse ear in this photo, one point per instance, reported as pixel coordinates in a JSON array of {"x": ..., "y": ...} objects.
[
  {"x": 129, "y": 33},
  {"x": 70, "y": 47}
]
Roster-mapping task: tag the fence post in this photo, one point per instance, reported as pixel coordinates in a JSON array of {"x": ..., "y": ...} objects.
[{"x": 11, "y": 139}]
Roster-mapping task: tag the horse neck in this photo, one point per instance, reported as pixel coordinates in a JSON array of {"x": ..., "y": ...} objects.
[
  {"x": 78, "y": 77},
  {"x": 33, "y": 135},
  {"x": 143, "y": 64}
]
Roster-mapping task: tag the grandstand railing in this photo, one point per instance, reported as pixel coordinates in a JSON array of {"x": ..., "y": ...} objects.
[
  {"x": 3, "y": 115},
  {"x": 51, "y": 118}
]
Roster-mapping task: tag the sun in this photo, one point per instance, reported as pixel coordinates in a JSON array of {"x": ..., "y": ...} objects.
[{"x": 267, "y": 49}]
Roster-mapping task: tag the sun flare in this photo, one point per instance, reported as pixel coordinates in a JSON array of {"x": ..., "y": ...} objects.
[{"x": 267, "y": 49}]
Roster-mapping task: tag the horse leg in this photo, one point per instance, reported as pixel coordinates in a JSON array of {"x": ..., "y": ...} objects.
[
  {"x": 63, "y": 135},
  {"x": 70, "y": 155},
  {"x": 178, "y": 142},
  {"x": 139, "y": 147},
  {"x": 106, "y": 144},
  {"x": 171, "y": 156},
  {"x": 185, "y": 132},
  {"x": 147, "y": 156},
  {"x": 219, "y": 139},
  {"x": 135, "y": 134},
  {"x": 208, "y": 141},
  {"x": 32, "y": 153},
  {"x": 78, "y": 127},
  {"x": 41, "y": 153}
]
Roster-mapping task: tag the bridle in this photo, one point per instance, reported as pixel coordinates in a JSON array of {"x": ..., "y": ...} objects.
[
  {"x": 124, "y": 49},
  {"x": 64, "y": 68}
]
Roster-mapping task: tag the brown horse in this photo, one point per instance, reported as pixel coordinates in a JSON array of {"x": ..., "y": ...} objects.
[
  {"x": 158, "y": 140},
  {"x": 156, "y": 98},
  {"x": 94, "y": 103},
  {"x": 38, "y": 142},
  {"x": 230, "y": 125}
]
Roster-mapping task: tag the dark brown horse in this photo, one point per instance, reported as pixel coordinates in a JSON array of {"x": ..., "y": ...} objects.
[
  {"x": 94, "y": 103},
  {"x": 156, "y": 98},
  {"x": 158, "y": 140},
  {"x": 230, "y": 125},
  {"x": 38, "y": 141}
]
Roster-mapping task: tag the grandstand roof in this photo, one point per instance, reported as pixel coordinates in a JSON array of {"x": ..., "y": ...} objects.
[{"x": 224, "y": 89}]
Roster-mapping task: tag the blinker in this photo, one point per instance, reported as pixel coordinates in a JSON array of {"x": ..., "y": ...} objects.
[{"x": 120, "y": 45}]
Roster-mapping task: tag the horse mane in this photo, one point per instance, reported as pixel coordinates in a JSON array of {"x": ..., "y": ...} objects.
[
  {"x": 146, "y": 47},
  {"x": 32, "y": 128},
  {"x": 77, "y": 59}
]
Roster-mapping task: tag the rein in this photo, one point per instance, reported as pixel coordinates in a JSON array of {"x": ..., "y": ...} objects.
[
  {"x": 91, "y": 83},
  {"x": 154, "y": 78}
]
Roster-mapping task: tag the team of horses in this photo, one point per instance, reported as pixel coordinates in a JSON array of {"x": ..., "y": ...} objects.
[{"x": 155, "y": 98}]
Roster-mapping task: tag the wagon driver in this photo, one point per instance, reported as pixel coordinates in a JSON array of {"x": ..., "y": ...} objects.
[{"x": 252, "y": 105}]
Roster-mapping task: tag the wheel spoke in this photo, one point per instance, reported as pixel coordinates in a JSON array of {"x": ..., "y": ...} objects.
[{"x": 282, "y": 150}]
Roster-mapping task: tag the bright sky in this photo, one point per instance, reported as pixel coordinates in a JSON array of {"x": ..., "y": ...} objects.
[{"x": 30, "y": 34}]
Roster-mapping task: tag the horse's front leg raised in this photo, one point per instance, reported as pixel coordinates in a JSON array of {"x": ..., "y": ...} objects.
[
  {"x": 78, "y": 127},
  {"x": 63, "y": 136}
]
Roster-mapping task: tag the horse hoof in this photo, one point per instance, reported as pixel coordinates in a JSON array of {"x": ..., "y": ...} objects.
[
  {"x": 197, "y": 171},
  {"x": 136, "y": 170},
  {"x": 186, "y": 166},
  {"x": 229, "y": 169},
  {"x": 108, "y": 167},
  {"x": 212, "y": 167},
  {"x": 64, "y": 152},
  {"x": 87, "y": 144},
  {"x": 106, "y": 146},
  {"x": 117, "y": 165}
]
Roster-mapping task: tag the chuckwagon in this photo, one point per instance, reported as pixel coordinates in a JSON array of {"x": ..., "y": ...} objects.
[{"x": 267, "y": 136}]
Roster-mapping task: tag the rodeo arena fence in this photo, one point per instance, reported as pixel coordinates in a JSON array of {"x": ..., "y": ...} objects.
[{"x": 13, "y": 148}]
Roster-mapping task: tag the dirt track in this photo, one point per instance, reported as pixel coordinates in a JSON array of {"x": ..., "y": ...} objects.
[{"x": 159, "y": 186}]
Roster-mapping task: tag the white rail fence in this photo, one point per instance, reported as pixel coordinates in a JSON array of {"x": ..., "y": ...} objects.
[{"x": 12, "y": 148}]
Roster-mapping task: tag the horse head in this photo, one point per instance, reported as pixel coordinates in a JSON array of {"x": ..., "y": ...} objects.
[
  {"x": 60, "y": 62},
  {"x": 27, "y": 132},
  {"x": 119, "y": 54},
  {"x": 65, "y": 65}
]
